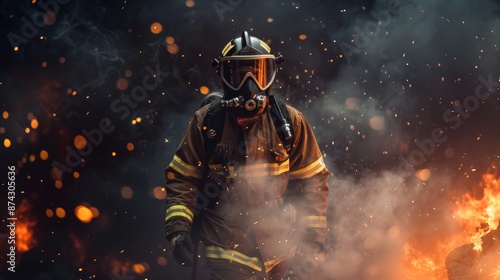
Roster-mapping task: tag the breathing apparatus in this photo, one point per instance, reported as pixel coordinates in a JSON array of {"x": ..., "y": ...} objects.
[{"x": 247, "y": 68}]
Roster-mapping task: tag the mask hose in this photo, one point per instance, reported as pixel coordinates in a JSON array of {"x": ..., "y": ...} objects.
[{"x": 255, "y": 103}]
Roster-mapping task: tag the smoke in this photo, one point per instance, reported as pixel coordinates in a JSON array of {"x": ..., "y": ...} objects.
[
  {"x": 405, "y": 66},
  {"x": 373, "y": 219},
  {"x": 370, "y": 76}
]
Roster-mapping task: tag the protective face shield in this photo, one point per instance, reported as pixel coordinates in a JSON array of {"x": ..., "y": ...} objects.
[
  {"x": 235, "y": 70},
  {"x": 247, "y": 69}
]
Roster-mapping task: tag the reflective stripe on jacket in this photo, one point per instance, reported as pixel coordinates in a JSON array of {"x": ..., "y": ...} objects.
[{"x": 268, "y": 199}]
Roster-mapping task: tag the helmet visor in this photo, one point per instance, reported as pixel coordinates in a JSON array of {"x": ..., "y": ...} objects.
[{"x": 235, "y": 70}]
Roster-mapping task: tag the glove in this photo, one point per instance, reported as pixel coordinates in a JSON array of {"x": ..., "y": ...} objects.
[{"x": 181, "y": 245}]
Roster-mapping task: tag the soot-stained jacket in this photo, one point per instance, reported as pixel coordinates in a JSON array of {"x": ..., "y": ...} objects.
[{"x": 260, "y": 202}]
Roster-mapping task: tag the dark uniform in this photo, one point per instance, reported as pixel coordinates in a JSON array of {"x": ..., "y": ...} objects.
[{"x": 261, "y": 203}]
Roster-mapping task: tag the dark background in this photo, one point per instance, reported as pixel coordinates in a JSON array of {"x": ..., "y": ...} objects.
[{"x": 369, "y": 97}]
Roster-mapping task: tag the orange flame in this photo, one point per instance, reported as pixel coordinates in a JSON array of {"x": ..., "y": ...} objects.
[
  {"x": 496, "y": 273},
  {"x": 24, "y": 227},
  {"x": 481, "y": 216},
  {"x": 474, "y": 219}
]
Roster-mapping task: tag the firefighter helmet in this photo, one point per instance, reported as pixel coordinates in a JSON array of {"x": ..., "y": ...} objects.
[{"x": 247, "y": 67}]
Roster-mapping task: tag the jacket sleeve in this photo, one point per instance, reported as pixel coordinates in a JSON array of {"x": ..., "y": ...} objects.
[
  {"x": 308, "y": 188},
  {"x": 183, "y": 176}
]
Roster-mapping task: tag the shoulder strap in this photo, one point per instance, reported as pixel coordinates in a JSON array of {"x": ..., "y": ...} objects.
[
  {"x": 213, "y": 125},
  {"x": 282, "y": 121}
]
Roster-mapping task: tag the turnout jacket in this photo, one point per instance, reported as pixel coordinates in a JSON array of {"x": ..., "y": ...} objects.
[{"x": 260, "y": 203}]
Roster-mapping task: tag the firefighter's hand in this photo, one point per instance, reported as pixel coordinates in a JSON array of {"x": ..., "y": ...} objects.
[{"x": 181, "y": 246}]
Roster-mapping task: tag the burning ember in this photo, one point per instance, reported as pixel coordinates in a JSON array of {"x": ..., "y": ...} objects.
[{"x": 24, "y": 227}]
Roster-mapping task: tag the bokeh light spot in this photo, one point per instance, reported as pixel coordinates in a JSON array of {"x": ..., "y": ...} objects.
[
  {"x": 58, "y": 184},
  {"x": 49, "y": 213},
  {"x": 60, "y": 212},
  {"x": 122, "y": 84},
  {"x": 156, "y": 28},
  {"x": 5, "y": 115},
  {"x": 424, "y": 174},
  {"x": 377, "y": 123},
  {"x": 170, "y": 40},
  {"x": 302, "y": 36},
  {"x": 80, "y": 142},
  {"x": 83, "y": 213},
  {"x": 352, "y": 103},
  {"x": 49, "y": 18},
  {"x": 34, "y": 123},
  {"x": 95, "y": 212},
  {"x": 189, "y": 3},
  {"x": 159, "y": 193},
  {"x": 173, "y": 48},
  {"x": 204, "y": 90},
  {"x": 127, "y": 192},
  {"x": 139, "y": 268},
  {"x": 6, "y": 143},
  {"x": 130, "y": 147},
  {"x": 44, "y": 155},
  {"x": 162, "y": 261}
]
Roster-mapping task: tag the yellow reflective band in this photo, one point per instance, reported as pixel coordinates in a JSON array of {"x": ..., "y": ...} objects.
[
  {"x": 270, "y": 264},
  {"x": 179, "y": 211},
  {"x": 179, "y": 214},
  {"x": 255, "y": 170},
  {"x": 185, "y": 169},
  {"x": 227, "y": 48},
  {"x": 316, "y": 221},
  {"x": 265, "y": 46},
  {"x": 309, "y": 171},
  {"x": 215, "y": 252}
]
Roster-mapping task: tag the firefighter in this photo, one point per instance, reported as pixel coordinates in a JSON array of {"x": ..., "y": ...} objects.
[{"x": 260, "y": 199}]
